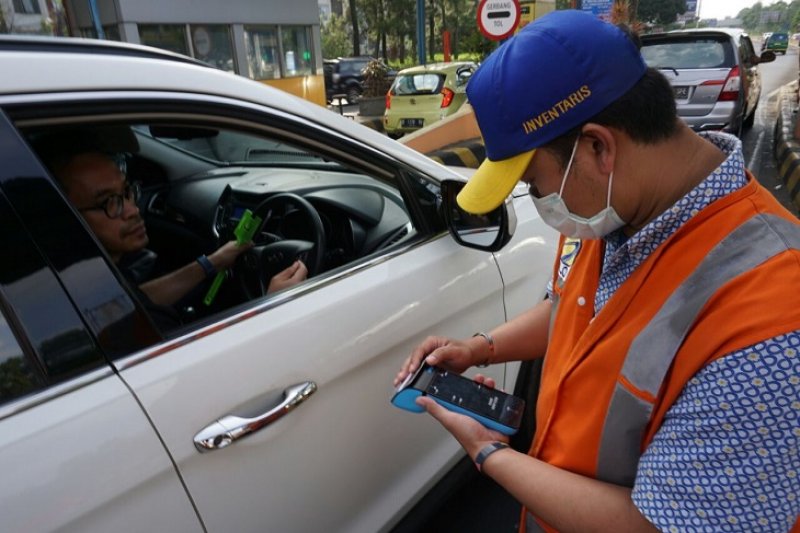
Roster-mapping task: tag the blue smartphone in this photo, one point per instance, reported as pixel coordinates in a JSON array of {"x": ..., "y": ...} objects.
[{"x": 491, "y": 407}]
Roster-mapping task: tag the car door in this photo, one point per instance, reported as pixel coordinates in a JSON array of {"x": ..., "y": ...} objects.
[
  {"x": 344, "y": 458},
  {"x": 310, "y": 371},
  {"x": 752, "y": 77},
  {"x": 318, "y": 368},
  {"x": 77, "y": 452}
]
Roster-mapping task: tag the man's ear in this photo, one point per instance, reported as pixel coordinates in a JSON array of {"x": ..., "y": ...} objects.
[{"x": 604, "y": 146}]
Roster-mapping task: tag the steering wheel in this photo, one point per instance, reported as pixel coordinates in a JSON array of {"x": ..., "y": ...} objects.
[{"x": 257, "y": 265}]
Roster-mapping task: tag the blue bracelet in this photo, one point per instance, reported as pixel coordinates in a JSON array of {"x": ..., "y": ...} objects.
[{"x": 208, "y": 268}]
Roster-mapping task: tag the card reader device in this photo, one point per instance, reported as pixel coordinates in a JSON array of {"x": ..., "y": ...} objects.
[{"x": 491, "y": 407}]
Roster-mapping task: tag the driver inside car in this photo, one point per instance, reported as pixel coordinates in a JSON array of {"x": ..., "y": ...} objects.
[{"x": 97, "y": 187}]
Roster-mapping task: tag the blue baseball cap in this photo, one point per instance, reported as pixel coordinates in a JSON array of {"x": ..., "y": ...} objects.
[{"x": 554, "y": 75}]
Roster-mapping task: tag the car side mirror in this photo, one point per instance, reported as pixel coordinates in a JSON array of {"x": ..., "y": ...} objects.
[
  {"x": 489, "y": 232},
  {"x": 766, "y": 57}
]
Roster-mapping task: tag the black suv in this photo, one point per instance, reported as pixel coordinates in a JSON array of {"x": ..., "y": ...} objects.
[{"x": 345, "y": 75}]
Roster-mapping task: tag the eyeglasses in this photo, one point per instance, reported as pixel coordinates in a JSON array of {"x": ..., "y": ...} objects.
[{"x": 114, "y": 204}]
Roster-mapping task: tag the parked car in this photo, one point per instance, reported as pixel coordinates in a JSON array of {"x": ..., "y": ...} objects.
[
  {"x": 778, "y": 42},
  {"x": 714, "y": 75},
  {"x": 344, "y": 75},
  {"x": 260, "y": 412},
  {"x": 425, "y": 94}
]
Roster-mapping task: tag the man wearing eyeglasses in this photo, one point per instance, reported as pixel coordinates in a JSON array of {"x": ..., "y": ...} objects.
[{"x": 97, "y": 187}]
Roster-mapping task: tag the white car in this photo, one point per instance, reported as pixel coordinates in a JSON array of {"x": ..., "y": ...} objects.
[{"x": 258, "y": 413}]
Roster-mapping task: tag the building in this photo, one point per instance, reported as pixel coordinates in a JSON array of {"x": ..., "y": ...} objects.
[
  {"x": 261, "y": 39},
  {"x": 25, "y": 16}
]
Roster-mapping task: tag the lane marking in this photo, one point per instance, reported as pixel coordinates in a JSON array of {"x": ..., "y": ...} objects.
[{"x": 756, "y": 152}]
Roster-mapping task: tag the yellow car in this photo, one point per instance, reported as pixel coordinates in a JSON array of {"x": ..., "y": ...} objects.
[{"x": 425, "y": 94}]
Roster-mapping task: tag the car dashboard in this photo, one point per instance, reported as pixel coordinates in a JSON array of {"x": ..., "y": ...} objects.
[{"x": 359, "y": 215}]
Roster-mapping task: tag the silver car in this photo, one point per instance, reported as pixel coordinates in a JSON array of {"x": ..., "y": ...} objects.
[{"x": 713, "y": 73}]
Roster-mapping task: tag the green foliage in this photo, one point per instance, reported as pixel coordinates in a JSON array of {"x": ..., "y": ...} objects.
[
  {"x": 387, "y": 29},
  {"x": 335, "y": 37},
  {"x": 779, "y": 16},
  {"x": 660, "y": 11},
  {"x": 438, "y": 57},
  {"x": 16, "y": 378},
  {"x": 3, "y": 26},
  {"x": 376, "y": 79}
]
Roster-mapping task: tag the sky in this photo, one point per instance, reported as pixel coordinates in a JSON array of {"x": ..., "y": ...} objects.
[{"x": 720, "y": 9}]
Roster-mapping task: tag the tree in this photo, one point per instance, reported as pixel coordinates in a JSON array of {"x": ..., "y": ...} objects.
[
  {"x": 335, "y": 37},
  {"x": 660, "y": 11},
  {"x": 354, "y": 25},
  {"x": 401, "y": 28}
]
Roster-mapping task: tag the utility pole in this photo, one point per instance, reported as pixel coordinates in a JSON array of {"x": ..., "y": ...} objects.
[
  {"x": 421, "y": 32},
  {"x": 95, "y": 14}
]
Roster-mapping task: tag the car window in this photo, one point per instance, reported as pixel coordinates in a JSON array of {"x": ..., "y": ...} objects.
[
  {"x": 425, "y": 83},
  {"x": 226, "y": 147},
  {"x": 687, "y": 53},
  {"x": 18, "y": 376},
  {"x": 199, "y": 176},
  {"x": 34, "y": 307},
  {"x": 352, "y": 67},
  {"x": 746, "y": 51}
]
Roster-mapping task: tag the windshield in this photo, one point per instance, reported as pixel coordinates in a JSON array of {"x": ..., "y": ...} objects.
[{"x": 225, "y": 147}]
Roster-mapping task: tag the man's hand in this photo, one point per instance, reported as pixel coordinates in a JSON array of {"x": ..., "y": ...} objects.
[
  {"x": 226, "y": 255},
  {"x": 288, "y": 277},
  {"x": 471, "y": 434},
  {"x": 449, "y": 354}
]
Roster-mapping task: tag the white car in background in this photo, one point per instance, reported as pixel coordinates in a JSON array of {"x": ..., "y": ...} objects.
[{"x": 260, "y": 413}]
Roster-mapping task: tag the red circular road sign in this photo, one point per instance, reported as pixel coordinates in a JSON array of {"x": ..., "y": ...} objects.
[{"x": 497, "y": 19}]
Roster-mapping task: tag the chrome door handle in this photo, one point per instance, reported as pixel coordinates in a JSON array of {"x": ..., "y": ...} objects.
[{"x": 230, "y": 428}]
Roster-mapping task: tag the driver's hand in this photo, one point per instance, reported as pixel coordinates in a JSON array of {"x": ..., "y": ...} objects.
[
  {"x": 288, "y": 277},
  {"x": 226, "y": 255}
]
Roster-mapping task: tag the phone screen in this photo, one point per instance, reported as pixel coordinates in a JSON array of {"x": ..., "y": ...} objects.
[{"x": 467, "y": 394}]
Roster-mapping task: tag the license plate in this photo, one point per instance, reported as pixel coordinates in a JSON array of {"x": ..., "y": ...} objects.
[
  {"x": 411, "y": 123},
  {"x": 681, "y": 93}
]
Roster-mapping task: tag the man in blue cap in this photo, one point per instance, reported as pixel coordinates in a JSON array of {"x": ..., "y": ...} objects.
[{"x": 671, "y": 334}]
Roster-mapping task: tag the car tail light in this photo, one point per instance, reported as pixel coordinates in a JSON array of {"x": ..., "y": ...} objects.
[
  {"x": 447, "y": 97},
  {"x": 388, "y": 99},
  {"x": 730, "y": 87}
]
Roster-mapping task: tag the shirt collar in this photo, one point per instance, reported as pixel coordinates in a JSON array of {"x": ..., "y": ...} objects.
[{"x": 725, "y": 179}]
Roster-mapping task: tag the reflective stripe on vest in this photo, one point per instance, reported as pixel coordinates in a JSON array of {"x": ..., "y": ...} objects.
[{"x": 652, "y": 351}]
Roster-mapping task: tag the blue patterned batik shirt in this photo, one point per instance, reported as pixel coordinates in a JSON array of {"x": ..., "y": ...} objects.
[{"x": 726, "y": 457}]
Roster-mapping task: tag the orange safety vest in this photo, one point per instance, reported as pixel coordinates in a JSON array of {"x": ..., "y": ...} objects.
[{"x": 608, "y": 380}]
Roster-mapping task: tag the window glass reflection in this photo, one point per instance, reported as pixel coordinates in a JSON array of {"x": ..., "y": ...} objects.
[
  {"x": 170, "y": 37},
  {"x": 17, "y": 375},
  {"x": 212, "y": 45},
  {"x": 296, "y": 50},
  {"x": 263, "y": 52}
]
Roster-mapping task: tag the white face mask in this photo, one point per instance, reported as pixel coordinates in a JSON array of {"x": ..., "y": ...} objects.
[{"x": 554, "y": 212}]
